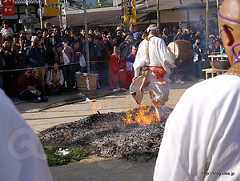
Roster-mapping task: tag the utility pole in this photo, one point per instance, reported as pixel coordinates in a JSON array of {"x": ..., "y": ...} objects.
[
  {"x": 60, "y": 15},
  {"x": 40, "y": 13},
  {"x": 86, "y": 35},
  {"x": 27, "y": 15},
  {"x": 64, "y": 14},
  {"x": 217, "y": 2},
  {"x": 158, "y": 13},
  {"x": 207, "y": 16}
]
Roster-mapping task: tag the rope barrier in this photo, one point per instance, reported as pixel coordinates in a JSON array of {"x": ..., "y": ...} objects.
[
  {"x": 33, "y": 68},
  {"x": 47, "y": 67}
]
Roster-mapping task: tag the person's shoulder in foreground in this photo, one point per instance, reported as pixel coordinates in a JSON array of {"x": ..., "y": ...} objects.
[
  {"x": 215, "y": 87},
  {"x": 21, "y": 154},
  {"x": 201, "y": 138}
]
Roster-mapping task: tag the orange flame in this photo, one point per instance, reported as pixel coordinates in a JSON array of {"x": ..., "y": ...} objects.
[{"x": 143, "y": 116}]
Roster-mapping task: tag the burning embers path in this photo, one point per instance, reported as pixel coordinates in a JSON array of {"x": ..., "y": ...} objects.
[{"x": 113, "y": 135}]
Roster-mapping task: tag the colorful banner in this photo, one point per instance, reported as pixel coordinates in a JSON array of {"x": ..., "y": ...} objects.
[
  {"x": 129, "y": 12},
  {"x": 133, "y": 17},
  {"x": 8, "y": 8},
  {"x": 51, "y": 8}
]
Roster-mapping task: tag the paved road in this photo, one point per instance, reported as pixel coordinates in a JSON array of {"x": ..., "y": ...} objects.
[
  {"x": 40, "y": 119},
  {"x": 108, "y": 170},
  {"x": 93, "y": 169}
]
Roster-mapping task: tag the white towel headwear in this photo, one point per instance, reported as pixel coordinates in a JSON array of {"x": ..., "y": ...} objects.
[{"x": 152, "y": 27}]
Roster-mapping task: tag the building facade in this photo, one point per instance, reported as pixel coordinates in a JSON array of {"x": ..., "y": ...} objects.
[{"x": 27, "y": 15}]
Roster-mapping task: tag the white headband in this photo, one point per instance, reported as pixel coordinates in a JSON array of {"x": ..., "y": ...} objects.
[{"x": 152, "y": 28}]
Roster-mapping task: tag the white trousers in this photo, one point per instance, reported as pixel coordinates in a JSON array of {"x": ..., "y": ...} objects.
[{"x": 159, "y": 92}]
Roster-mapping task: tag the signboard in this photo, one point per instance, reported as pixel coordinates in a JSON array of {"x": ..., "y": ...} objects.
[
  {"x": 8, "y": 8},
  {"x": 133, "y": 17},
  {"x": 129, "y": 12},
  {"x": 51, "y": 8}
]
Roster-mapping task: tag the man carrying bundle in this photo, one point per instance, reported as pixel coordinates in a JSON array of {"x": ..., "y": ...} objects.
[{"x": 152, "y": 64}]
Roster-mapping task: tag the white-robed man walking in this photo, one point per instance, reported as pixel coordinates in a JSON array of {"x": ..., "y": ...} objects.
[
  {"x": 154, "y": 56},
  {"x": 21, "y": 155},
  {"x": 201, "y": 141}
]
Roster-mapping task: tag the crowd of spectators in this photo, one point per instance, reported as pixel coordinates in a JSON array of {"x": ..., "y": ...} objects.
[
  {"x": 36, "y": 64},
  {"x": 53, "y": 56}
]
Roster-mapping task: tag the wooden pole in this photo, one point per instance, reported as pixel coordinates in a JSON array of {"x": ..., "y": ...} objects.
[
  {"x": 207, "y": 17},
  {"x": 60, "y": 15},
  {"x": 86, "y": 36},
  {"x": 27, "y": 14},
  {"x": 64, "y": 14},
  {"x": 40, "y": 13},
  {"x": 188, "y": 18},
  {"x": 158, "y": 13}
]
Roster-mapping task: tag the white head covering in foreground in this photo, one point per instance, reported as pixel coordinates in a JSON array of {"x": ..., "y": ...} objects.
[
  {"x": 21, "y": 154},
  {"x": 201, "y": 139}
]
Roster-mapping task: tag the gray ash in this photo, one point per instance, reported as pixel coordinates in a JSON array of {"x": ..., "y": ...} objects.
[{"x": 106, "y": 135}]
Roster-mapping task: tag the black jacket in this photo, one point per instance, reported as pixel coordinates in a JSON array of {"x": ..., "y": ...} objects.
[{"x": 36, "y": 57}]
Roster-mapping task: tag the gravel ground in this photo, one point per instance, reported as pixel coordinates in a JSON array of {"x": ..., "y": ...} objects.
[{"x": 107, "y": 135}]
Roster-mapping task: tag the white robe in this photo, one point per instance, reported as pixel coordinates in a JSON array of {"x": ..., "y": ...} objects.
[
  {"x": 202, "y": 135},
  {"x": 21, "y": 154},
  {"x": 153, "y": 53}
]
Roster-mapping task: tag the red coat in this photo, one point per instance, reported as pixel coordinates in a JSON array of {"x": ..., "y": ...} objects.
[
  {"x": 123, "y": 75},
  {"x": 113, "y": 71}
]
